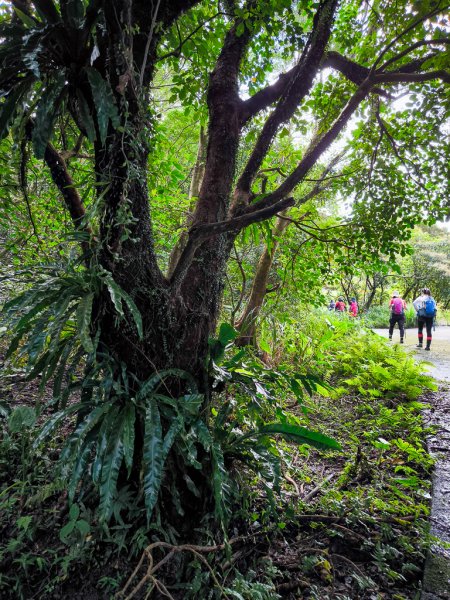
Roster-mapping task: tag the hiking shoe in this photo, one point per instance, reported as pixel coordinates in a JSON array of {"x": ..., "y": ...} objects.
[
  {"x": 428, "y": 348},
  {"x": 419, "y": 346},
  {"x": 401, "y": 340},
  {"x": 390, "y": 338}
]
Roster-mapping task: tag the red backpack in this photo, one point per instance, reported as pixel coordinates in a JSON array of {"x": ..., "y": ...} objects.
[{"x": 397, "y": 306}]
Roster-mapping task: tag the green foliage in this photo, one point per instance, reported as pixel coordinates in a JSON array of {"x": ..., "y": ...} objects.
[
  {"x": 245, "y": 588},
  {"x": 383, "y": 372},
  {"x": 378, "y": 317}
]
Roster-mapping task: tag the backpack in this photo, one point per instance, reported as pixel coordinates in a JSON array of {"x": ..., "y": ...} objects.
[
  {"x": 397, "y": 306},
  {"x": 430, "y": 307}
]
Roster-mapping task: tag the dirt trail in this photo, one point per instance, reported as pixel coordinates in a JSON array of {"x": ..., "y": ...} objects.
[{"x": 436, "y": 581}]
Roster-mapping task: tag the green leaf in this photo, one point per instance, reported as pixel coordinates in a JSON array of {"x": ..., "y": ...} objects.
[
  {"x": 227, "y": 333},
  {"x": 221, "y": 485},
  {"x": 9, "y": 107},
  {"x": 264, "y": 346},
  {"x": 116, "y": 294},
  {"x": 83, "y": 527},
  {"x": 301, "y": 435},
  {"x": 80, "y": 468},
  {"x": 111, "y": 462},
  {"x": 128, "y": 435},
  {"x": 74, "y": 512},
  {"x": 66, "y": 531},
  {"x": 191, "y": 403},
  {"x": 84, "y": 313},
  {"x": 102, "y": 442},
  {"x": 135, "y": 313},
  {"x": 153, "y": 457},
  {"x": 152, "y": 383},
  {"x": 20, "y": 418},
  {"x": 203, "y": 434},
  {"x": 106, "y": 109},
  {"x": 174, "y": 429},
  {"x": 26, "y": 20},
  {"x": 55, "y": 420},
  {"x": 86, "y": 117},
  {"x": 46, "y": 114}
]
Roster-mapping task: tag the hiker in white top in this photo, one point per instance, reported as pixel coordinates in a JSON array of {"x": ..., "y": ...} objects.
[{"x": 425, "y": 306}]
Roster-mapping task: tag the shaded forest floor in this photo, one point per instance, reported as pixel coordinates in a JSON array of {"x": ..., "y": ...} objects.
[{"x": 349, "y": 525}]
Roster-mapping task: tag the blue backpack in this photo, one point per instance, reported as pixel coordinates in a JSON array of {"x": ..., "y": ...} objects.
[{"x": 430, "y": 307}]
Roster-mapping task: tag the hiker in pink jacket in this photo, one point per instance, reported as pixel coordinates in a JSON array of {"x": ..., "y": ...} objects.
[{"x": 397, "y": 306}]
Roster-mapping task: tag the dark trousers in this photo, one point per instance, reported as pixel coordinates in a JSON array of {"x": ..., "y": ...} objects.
[
  {"x": 428, "y": 322},
  {"x": 400, "y": 319}
]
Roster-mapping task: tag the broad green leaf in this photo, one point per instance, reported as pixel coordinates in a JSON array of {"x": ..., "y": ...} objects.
[
  {"x": 21, "y": 418},
  {"x": 80, "y": 467},
  {"x": 153, "y": 457},
  {"x": 74, "y": 512},
  {"x": 116, "y": 295},
  {"x": 128, "y": 434},
  {"x": 84, "y": 313},
  {"x": 106, "y": 428},
  {"x": 264, "y": 346},
  {"x": 66, "y": 531},
  {"x": 106, "y": 108},
  {"x": 112, "y": 459},
  {"x": 221, "y": 485},
  {"x": 10, "y": 105},
  {"x": 174, "y": 429},
  {"x": 134, "y": 313},
  {"x": 26, "y": 20},
  {"x": 86, "y": 117},
  {"x": 192, "y": 403},
  {"x": 55, "y": 420},
  {"x": 83, "y": 527},
  {"x": 227, "y": 333},
  {"x": 301, "y": 435},
  {"x": 46, "y": 114}
]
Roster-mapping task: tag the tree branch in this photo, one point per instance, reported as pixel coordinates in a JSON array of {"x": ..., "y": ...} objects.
[
  {"x": 65, "y": 184},
  {"x": 224, "y": 130},
  {"x": 267, "y": 96},
  {"x": 199, "y": 233},
  {"x": 398, "y": 37},
  {"x": 399, "y": 77},
  {"x": 313, "y": 153},
  {"x": 299, "y": 86},
  {"x": 411, "y": 48},
  {"x": 177, "y": 50}
]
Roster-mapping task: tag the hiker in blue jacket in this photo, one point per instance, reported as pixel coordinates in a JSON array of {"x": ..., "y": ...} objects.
[{"x": 425, "y": 306}]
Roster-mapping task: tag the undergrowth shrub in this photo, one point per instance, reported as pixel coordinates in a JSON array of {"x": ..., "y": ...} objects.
[
  {"x": 332, "y": 375},
  {"x": 378, "y": 317}
]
